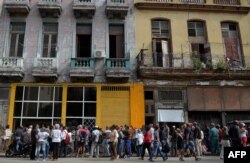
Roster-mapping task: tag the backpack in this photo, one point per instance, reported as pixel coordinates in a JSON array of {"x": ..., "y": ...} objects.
[
  {"x": 67, "y": 138},
  {"x": 82, "y": 136}
]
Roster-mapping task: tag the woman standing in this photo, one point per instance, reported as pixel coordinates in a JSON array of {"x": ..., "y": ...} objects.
[
  {"x": 225, "y": 141},
  {"x": 56, "y": 139},
  {"x": 243, "y": 134},
  {"x": 114, "y": 141}
]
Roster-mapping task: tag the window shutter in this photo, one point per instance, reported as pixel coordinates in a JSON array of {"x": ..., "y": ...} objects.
[
  {"x": 13, "y": 45},
  {"x": 45, "y": 45},
  {"x": 53, "y": 46},
  {"x": 165, "y": 56},
  {"x": 20, "y": 45}
]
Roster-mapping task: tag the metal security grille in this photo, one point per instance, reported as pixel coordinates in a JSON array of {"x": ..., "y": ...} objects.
[
  {"x": 115, "y": 88},
  {"x": 171, "y": 96}
]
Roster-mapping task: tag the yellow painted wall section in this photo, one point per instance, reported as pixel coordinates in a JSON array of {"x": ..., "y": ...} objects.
[
  {"x": 179, "y": 31},
  {"x": 64, "y": 104},
  {"x": 98, "y": 105},
  {"x": 115, "y": 108},
  {"x": 137, "y": 105},
  {"x": 12, "y": 103}
]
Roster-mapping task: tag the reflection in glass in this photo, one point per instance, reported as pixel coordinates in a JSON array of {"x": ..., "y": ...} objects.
[
  {"x": 74, "y": 109},
  {"x": 29, "y": 109},
  {"x": 45, "y": 110},
  {"x": 19, "y": 93},
  {"x": 31, "y": 93},
  {"x": 17, "y": 109},
  {"x": 58, "y": 93},
  {"x": 75, "y": 94},
  {"x": 90, "y": 110},
  {"x": 90, "y": 94},
  {"x": 73, "y": 122},
  {"x": 46, "y": 93},
  {"x": 57, "y": 109}
]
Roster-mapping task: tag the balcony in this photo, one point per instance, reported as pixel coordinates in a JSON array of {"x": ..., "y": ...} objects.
[
  {"x": 84, "y": 8},
  {"x": 117, "y": 9},
  {"x": 17, "y": 7},
  {"x": 50, "y": 8},
  {"x": 82, "y": 69},
  {"x": 11, "y": 69},
  {"x": 187, "y": 68},
  {"x": 230, "y": 6},
  {"x": 118, "y": 69},
  {"x": 45, "y": 69}
]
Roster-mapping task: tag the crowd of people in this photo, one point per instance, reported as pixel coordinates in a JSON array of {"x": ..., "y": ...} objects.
[{"x": 118, "y": 142}]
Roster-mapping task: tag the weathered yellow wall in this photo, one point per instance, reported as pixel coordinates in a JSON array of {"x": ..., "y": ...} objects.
[
  {"x": 137, "y": 105},
  {"x": 179, "y": 31}
]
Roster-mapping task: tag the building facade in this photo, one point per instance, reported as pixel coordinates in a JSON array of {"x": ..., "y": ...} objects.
[
  {"x": 194, "y": 59},
  {"x": 70, "y": 61}
]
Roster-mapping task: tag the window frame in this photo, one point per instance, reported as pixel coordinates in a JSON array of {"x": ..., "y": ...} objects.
[{"x": 49, "y": 44}]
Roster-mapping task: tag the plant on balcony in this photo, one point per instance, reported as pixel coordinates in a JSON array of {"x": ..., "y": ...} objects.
[
  {"x": 197, "y": 64},
  {"x": 221, "y": 66}
]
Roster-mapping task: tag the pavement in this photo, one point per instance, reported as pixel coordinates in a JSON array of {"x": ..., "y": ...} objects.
[{"x": 205, "y": 159}]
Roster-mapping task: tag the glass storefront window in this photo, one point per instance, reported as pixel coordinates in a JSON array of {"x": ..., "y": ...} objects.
[
  {"x": 19, "y": 93},
  {"x": 58, "y": 94},
  {"x": 18, "y": 109},
  {"x": 31, "y": 93},
  {"x": 45, "y": 109},
  {"x": 29, "y": 109},
  {"x": 46, "y": 93},
  {"x": 90, "y": 94},
  {"x": 75, "y": 94},
  {"x": 57, "y": 109},
  {"x": 89, "y": 109},
  {"x": 74, "y": 109}
]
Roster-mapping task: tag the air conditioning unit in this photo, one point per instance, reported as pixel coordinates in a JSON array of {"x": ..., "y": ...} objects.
[{"x": 99, "y": 54}]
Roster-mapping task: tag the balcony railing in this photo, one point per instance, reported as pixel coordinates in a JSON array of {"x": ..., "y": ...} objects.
[
  {"x": 50, "y": 2},
  {"x": 83, "y": 2},
  {"x": 45, "y": 62},
  {"x": 118, "y": 63},
  {"x": 227, "y": 2},
  {"x": 82, "y": 63},
  {"x": 11, "y": 62},
  {"x": 193, "y": 1},
  {"x": 206, "y": 2}
]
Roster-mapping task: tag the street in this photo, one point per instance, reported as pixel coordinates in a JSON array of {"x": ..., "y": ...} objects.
[{"x": 205, "y": 159}]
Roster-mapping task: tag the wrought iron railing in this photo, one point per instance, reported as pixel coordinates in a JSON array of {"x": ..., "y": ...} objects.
[
  {"x": 50, "y": 2},
  {"x": 118, "y": 63},
  {"x": 17, "y": 2},
  {"x": 82, "y": 63}
]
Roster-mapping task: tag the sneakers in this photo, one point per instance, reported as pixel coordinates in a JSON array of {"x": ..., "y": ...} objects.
[{"x": 151, "y": 160}]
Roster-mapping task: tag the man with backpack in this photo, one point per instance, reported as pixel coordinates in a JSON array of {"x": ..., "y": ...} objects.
[{"x": 82, "y": 140}]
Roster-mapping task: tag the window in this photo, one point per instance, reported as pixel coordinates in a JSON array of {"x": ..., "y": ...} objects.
[
  {"x": 149, "y": 95},
  {"x": 116, "y": 41},
  {"x": 17, "y": 31},
  {"x": 230, "y": 35},
  {"x": 35, "y": 104},
  {"x": 160, "y": 29},
  {"x": 196, "y": 29},
  {"x": 161, "y": 43},
  {"x": 171, "y": 96},
  {"x": 81, "y": 106},
  {"x": 84, "y": 33},
  {"x": 49, "y": 40}
]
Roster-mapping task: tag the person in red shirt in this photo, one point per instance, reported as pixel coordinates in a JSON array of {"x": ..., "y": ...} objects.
[{"x": 147, "y": 143}]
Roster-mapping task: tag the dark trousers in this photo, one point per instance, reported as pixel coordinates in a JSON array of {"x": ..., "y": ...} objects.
[
  {"x": 63, "y": 149},
  {"x": 33, "y": 151},
  {"x": 148, "y": 147},
  {"x": 55, "y": 150}
]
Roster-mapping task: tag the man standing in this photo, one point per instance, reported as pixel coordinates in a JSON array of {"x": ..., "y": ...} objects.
[
  {"x": 214, "y": 139},
  {"x": 95, "y": 138},
  {"x": 234, "y": 134}
]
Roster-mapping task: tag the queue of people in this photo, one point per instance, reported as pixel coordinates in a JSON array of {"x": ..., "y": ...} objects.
[{"x": 118, "y": 142}]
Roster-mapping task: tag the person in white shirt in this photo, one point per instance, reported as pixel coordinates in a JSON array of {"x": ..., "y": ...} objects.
[
  {"x": 95, "y": 137},
  {"x": 139, "y": 142},
  {"x": 114, "y": 141},
  {"x": 41, "y": 143},
  {"x": 6, "y": 138},
  {"x": 56, "y": 139}
]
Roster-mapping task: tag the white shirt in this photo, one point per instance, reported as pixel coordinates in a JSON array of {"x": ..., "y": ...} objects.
[
  {"x": 96, "y": 133},
  {"x": 8, "y": 134},
  {"x": 140, "y": 138},
  {"x": 42, "y": 136},
  {"x": 56, "y": 135}
]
